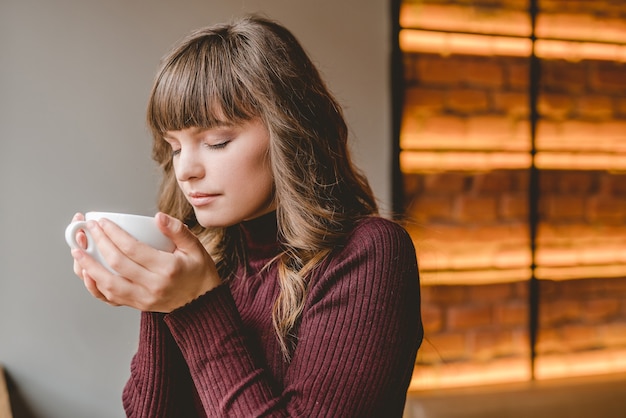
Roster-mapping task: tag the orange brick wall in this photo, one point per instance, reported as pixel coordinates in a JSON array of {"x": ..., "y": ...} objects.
[
  {"x": 582, "y": 315},
  {"x": 466, "y": 323},
  {"x": 475, "y": 216},
  {"x": 479, "y": 220}
]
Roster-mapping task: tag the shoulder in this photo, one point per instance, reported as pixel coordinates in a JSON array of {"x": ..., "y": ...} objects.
[
  {"x": 376, "y": 230},
  {"x": 376, "y": 241},
  {"x": 377, "y": 254}
]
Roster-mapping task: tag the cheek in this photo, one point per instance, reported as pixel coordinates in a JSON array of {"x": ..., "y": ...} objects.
[
  {"x": 258, "y": 177},
  {"x": 175, "y": 167},
  {"x": 265, "y": 172}
]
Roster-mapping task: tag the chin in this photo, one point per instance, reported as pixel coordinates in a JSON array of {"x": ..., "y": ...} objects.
[
  {"x": 222, "y": 219},
  {"x": 215, "y": 221}
]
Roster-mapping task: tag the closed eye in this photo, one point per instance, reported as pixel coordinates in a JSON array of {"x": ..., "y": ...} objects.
[{"x": 219, "y": 145}]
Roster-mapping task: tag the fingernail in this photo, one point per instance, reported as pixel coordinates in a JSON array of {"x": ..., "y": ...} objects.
[{"x": 164, "y": 219}]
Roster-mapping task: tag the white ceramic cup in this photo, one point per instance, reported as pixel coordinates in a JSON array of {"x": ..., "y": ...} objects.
[{"x": 143, "y": 228}]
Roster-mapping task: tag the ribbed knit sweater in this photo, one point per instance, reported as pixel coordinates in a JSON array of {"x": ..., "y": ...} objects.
[{"x": 357, "y": 338}]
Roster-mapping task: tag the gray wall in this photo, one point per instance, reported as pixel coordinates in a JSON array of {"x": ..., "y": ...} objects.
[{"x": 74, "y": 78}]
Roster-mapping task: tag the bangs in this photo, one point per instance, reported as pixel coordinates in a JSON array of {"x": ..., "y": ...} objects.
[{"x": 200, "y": 85}]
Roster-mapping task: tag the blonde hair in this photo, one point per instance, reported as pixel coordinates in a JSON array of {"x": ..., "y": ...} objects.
[{"x": 255, "y": 68}]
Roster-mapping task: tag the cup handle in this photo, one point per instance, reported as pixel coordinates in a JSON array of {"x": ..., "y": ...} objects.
[{"x": 70, "y": 234}]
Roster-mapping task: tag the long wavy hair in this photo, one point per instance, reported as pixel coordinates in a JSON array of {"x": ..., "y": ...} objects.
[{"x": 255, "y": 68}]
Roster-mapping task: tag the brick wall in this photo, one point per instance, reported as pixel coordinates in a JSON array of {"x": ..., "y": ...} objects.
[
  {"x": 478, "y": 221},
  {"x": 471, "y": 227}
]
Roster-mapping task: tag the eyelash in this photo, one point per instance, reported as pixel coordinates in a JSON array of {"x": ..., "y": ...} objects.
[{"x": 217, "y": 146}]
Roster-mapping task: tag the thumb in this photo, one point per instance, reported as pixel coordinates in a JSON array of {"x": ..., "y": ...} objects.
[{"x": 177, "y": 231}]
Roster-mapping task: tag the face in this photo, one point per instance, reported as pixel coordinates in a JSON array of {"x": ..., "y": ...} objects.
[{"x": 224, "y": 171}]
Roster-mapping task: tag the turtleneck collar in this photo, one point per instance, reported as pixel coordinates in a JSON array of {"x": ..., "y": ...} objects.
[{"x": 260, "y": 235}]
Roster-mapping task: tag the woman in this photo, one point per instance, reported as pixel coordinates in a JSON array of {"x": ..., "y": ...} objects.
[{"x": 287, "y": 295}]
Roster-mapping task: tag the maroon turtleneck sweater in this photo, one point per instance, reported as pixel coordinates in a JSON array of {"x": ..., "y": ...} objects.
[{"x": 357, "y": 339}]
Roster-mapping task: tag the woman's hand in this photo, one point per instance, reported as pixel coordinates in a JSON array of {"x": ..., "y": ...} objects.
[
  {"x": 81, "y": 239},
  {"x": 148, "y": 279}
]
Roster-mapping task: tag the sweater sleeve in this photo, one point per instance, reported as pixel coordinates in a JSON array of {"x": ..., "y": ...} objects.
[
  {"x": 357, "y": 339},
  {"x": 226, "y": 367},
  {"x": 160, "y": 384}
]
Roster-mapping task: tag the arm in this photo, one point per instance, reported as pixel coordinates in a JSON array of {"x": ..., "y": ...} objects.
[
  {"x": 357, "y": 341},
  {"x": 226, "y": 368},
  {"x": 160, "y": 384}
]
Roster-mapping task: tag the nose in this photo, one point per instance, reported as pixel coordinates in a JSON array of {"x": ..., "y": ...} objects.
[{"x": 188, "y": 165}]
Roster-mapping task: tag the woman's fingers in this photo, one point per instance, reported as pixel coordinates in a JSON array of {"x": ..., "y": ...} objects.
[
  {"x": 135, "y": 255},
  {"x": 99, "y": 281},
  {"x": 92, "y": 287},
  {"x": 147, "y": 279},
  {"x": 122, "y": 252},
  {"x": 142, "y": 271},
  {"x": 81, "y": 239},
  {"x": 177, "y": 231}
]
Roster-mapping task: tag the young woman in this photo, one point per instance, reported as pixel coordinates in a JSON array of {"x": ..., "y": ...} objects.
[{"x": 286, "y": 295}]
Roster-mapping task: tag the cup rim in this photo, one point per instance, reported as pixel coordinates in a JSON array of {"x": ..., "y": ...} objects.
[{"x": 101, "y": 214}]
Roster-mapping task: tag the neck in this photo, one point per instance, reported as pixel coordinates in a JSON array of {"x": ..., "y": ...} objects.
[{"x": 260, "y": 235}]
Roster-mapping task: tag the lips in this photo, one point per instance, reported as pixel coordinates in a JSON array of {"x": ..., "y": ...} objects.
[{"x": 201, "y": 199}]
